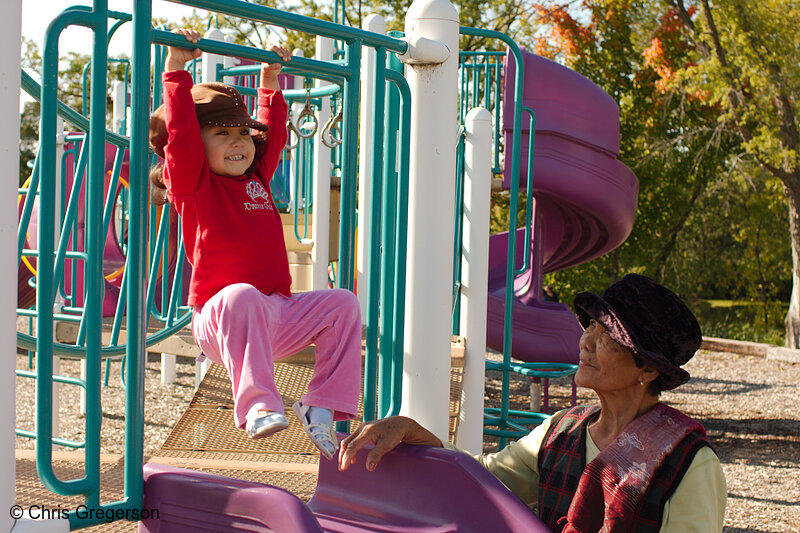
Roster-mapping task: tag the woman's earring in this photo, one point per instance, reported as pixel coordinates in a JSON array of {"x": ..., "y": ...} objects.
[{"x": 641, "y": 381}]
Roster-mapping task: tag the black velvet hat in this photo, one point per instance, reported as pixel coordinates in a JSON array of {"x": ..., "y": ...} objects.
[{"x": 650, "y": 320}]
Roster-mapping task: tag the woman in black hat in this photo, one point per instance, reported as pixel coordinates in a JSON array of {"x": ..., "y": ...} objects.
[{"x": 627, "y": 463}]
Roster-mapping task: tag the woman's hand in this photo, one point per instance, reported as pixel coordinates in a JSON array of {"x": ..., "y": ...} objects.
[
  {"x": 385, "y": 434},
  {"x": 270, "y": 71},
  {"x": 178, "y": 56}
]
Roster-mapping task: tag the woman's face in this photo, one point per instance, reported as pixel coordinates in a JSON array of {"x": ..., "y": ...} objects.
[{"x": 605, "y": 365}]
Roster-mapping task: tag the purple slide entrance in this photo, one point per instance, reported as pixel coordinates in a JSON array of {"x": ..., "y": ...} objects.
[{"x": 415, "y": 489}]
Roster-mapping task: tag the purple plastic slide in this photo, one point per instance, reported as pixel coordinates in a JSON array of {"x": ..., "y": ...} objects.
[
  {"x": 186, "y": 501},
  {"x": 418, "y": 489},
  {"x": 415, "y": 489},
  {"x": 584, "y": 203}
]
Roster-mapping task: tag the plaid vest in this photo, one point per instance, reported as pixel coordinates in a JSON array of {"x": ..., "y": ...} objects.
[{"x": 562, "y": 460}]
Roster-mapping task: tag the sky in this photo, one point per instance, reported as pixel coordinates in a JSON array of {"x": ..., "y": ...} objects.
[{"x": 37, "y": 14}]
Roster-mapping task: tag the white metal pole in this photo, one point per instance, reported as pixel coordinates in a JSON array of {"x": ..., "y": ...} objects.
[
  {"x": 321, "y": 200},
  {"x": 59, "y": 301},
  {"x": 475, "y": 274},
  {"x": 211, "y": 62},
  {"x": 82, "y": 407},
  {"x": 119, "y": 106},
  {"x": 169, "y": 368},
  {"x": 229, "y": 61},
  {"x": 373, "y": 23},
  {"x": 295, "y": 154},
  {"x": 10, "y": 38},
  {"x": 433, "y": 81}
]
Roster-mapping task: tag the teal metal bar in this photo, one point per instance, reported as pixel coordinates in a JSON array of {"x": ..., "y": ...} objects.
[
  {"x": 372, "y": 234},
  {"x": 108, "y": 209},
  {"x": 54, "y": 441},
  {"x": 156, "y": 257},
  {"x": 288, "y": 94},
  {"x": 70, "y": 221},
  {"x": 394, "y": 75},
  {"x": 293, "y": 21},
  {"x": 177, "y": 285},
  {"x": 349, "y": 174},
  {"x": 30, "y": 86},
  {"x": 526, "y": 260},
  {"x": 95, "y": 241},
  {"x": 45, "y": 291},
  {"x": 492, "y": 90},
  {"x": 30, "y": 343},
  {"x": 479, "y": 53},
  {"x": 458, "y": 231},
  {"x": 58, "y": 379},
  {"x": 320, "y": 69},
  {"x": 136, "y": 257},
  {"x": 497, "y": 93},
  {"x": 27, "y": 206},
  {"x": 388, "y": 231}
]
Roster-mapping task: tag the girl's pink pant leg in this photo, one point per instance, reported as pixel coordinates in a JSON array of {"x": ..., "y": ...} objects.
[{"x": 246, "y": 331}]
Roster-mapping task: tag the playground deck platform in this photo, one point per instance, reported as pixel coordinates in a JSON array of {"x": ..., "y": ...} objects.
[{"x": 205, "y": 439}]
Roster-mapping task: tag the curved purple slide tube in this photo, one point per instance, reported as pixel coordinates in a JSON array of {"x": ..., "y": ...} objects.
[{"x": 584, "y": 203}]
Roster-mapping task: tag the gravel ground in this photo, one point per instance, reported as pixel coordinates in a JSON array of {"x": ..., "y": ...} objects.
[
  {"x": 747, "y": 404},
  {"x": 163, "y": 404}
]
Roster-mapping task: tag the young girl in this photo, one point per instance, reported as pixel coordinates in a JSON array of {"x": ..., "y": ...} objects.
[{"x": 217, "y": 175}]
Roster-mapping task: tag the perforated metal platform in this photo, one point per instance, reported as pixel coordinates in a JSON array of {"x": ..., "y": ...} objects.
[
  {"x": 205, "y": 436},
  {"x": 205, "y": 439},
  {"x": 69, "y": 465}
]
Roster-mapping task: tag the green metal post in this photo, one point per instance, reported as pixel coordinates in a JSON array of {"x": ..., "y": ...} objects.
[
  {"x": 374, "y": 304},
  {"x": 388, "y": 232},
  {"x": 401, "y": 236},
  {"x": 93, "y": 270},
  {"x": 137, "y": 257},
  {"x": 349, "y": 167}
]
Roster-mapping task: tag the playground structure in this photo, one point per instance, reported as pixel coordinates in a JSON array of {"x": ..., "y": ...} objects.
[{"x": 405, "y": 205}]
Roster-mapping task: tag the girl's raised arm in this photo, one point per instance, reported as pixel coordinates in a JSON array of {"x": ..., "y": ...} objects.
[
  {"x": 177, "y": 56},
  {"x": 269, "y": 71}
]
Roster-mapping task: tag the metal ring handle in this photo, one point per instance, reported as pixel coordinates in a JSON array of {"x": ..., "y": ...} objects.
[
  {"x": 330, "y": 128},
  {"x": 304, "y": 119},
  {"x": 291, "y": 128}
]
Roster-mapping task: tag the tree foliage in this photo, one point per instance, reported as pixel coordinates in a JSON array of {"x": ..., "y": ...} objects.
[
  {"x": 705, "y": 199},
  {"x": 746, "y": 63}
]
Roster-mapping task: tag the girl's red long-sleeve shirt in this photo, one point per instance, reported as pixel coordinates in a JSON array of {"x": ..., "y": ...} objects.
[{"x": 232, "y": 230}]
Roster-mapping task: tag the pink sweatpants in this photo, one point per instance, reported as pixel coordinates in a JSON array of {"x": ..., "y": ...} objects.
[{"x": 246, "y": 331}]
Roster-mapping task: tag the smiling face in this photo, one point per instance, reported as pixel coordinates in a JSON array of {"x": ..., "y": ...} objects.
[
  {"x": 605, "y": 365},
  {"x": 230, "y": 150}
]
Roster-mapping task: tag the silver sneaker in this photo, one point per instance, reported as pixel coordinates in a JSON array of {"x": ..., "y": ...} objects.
[{"x": 265, "y": 423}]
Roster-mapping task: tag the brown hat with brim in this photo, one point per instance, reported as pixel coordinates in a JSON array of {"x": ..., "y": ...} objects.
[
  {"x": 216, "y": 104},
  {"x": 650, "y": 320}
]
